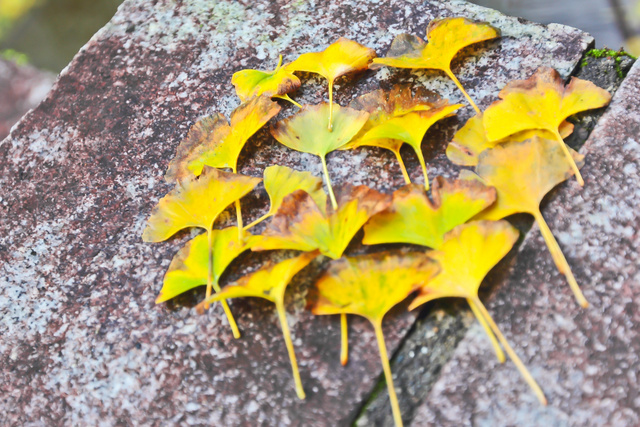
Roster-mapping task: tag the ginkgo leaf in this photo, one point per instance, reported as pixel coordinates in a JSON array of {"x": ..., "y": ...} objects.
[
  {"x": 213, "y": 142},
  {"x": 341, "y": 57},
  {"x": 280, "y": 181},
  {"x": 465, "y": 257},
  {"x": 523, "y": 173},
  {"x": 445, "y": 38},
  {"x": 542, "y": 102},
  {"x": 270, "y": 282},
  {"x": 411, "y": 128},
  {"x": 382, "y": 106},
  {"x": 414, "y": 218},
  {"x": 276, "y": 84},
  {"x": 305, "y": 132},
  {"x": 370, "y": 286},
  {"x": 471, "y": 140},
  {"x": 301, "y": 225}
]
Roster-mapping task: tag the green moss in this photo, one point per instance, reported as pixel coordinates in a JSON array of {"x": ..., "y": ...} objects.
[
  {"x": 617, "y": 56},
  {"x": 14, "y": 56}
]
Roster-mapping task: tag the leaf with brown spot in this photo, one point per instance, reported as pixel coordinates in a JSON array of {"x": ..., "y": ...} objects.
[
  {"x": 270, "y": 282},
  {"x": 276, "y": 84},
  {"x": 341, "y": 57},
  {"x": 413, "y": 218},
  {"x": 445, "y": 38},
  {"x": 370, "y": 286},
  {"x": 523, "y": 173},
  {"x": 542, "y": 102},
  {"x": 465, "y": 257}
]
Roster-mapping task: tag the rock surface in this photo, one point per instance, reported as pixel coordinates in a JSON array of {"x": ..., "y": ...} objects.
[
  {"x": 81, "y": 340},
  {"x": 586, "y": 360}
]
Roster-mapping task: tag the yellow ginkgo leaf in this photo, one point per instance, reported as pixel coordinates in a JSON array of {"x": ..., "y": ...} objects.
[
  {"x": 411, "y": 128},
  {"x": 276, "y": 84},
  {"x": 301, "y": 225},
  {"x": 471, "y": 140},
  {"x": 523, "y": 173},
  {"x": 305, "y": 132},
  {"x": 280, "y": 181},
  {"x": 465, "y": 257},
  {"x": 414, "y": 218},
  {"x": 270, "y": 282},
  {"x": 342, "y": 57},
  {"x": 195, "y": 265},
  {"x": 370, "y": 286},
  {"x": 542, "y": 102},
  {"x": 383, "y": 106},
  {"x": 445, "y": 38},
  {"x": 213, "y": 142}
]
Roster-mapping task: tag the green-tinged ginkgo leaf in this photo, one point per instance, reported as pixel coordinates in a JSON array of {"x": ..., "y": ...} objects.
[
  {"x": 414, "y": 218},
  {"x": 542, "y": 102},
  {"x": 465, "y": 257},
  {"x": 280, "y": 181},
  {"x": 445, "y": 38},
  {"x": 196, "y": 202},
  {"x": 306, "y": 132},
  {"x": 471, "y": 140},
  {"x": 213, "y": 142},
  {"x": 276, "y": 84},
  {"x": 270, "y": 282},
  {"x": 342, "y": 57},
  {"x": 383, "y": 106},
  {"x": 301, "y": 225},
  {"x": 411, "y": 128},
  {"x": 370, "y": 286},
  {"x": 523, "y": 173}
]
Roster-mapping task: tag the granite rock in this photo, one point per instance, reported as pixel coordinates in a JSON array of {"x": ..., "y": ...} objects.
[{"x": 81, "y": 340}]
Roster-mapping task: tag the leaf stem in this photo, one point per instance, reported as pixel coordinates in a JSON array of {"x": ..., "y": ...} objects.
[
  {"x": 512, "y": 355},
  {"x": 572, "y": 162},
  {"x": 487, "y": 329},
  {"x": 464, "y": 92},
  {"x": 292, "y": 355},
  {"x": 212, "y": 283},
  {"x": 257, "y": 221},
  {"x": 403, "y": 168},
  {"x": 423, "y": 165},
  {"x": 559, "y": 259},
  {"x": 330, "y": 127},
  {"x": 384, "y": 358},
  {"x": 287, "y": 98},
  {"x": 344, "y": 339},
  {"x": 332, "y": 196},
  {"x": 238, "y": 209}
]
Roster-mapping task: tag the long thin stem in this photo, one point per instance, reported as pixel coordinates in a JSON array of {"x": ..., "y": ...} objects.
[
  {"x": 487, "y": 329},
  {"x": 423, "y": 165},
  {"x": 384, "y": 358},
  {"x": 344, "y": 339},
  {"x": 566, "y": 152},
  {"x": 287, "y": 98},
  {"x": 292, "y": 355},
  {"x": 559, "y": 259},
  {"x": 403, "y": 168},
  {"x": 238, "y": 210},
  {"x": 332, "y": 196},
  {"x": 464, "y": 92},
  {"x": 330, "y": 127},
  {"x": 257, "y": 221},
  {"x": 512, "y": 355},
  {"x": 214, "y": 284}
]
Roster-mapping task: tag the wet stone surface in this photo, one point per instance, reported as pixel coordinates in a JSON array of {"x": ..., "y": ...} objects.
[{"x": 81, "y": 340}]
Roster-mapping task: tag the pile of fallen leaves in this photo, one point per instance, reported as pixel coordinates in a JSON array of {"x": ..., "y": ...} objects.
[{"x": 516, "y": 147}]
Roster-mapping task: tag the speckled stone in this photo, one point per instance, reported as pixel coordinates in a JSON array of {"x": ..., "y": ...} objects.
[
  {"x": 586, "y": 360},
  {"x": 81, "y": 340}
]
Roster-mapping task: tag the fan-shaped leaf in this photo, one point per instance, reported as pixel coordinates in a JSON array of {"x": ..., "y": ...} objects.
[
  {"x": 342, "y": 57},
  {"x": 446, "y": 37},
  {"x": 465, "y": 257},
  {"x": 523, "y": 173},
  {"x": 370, "y": 286},
  {"x": 413, "y": 218},
  {"x": 276, "y": 84},
  {"x": 270, "y": 282},
  {"x": 542, "y": 102}
]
